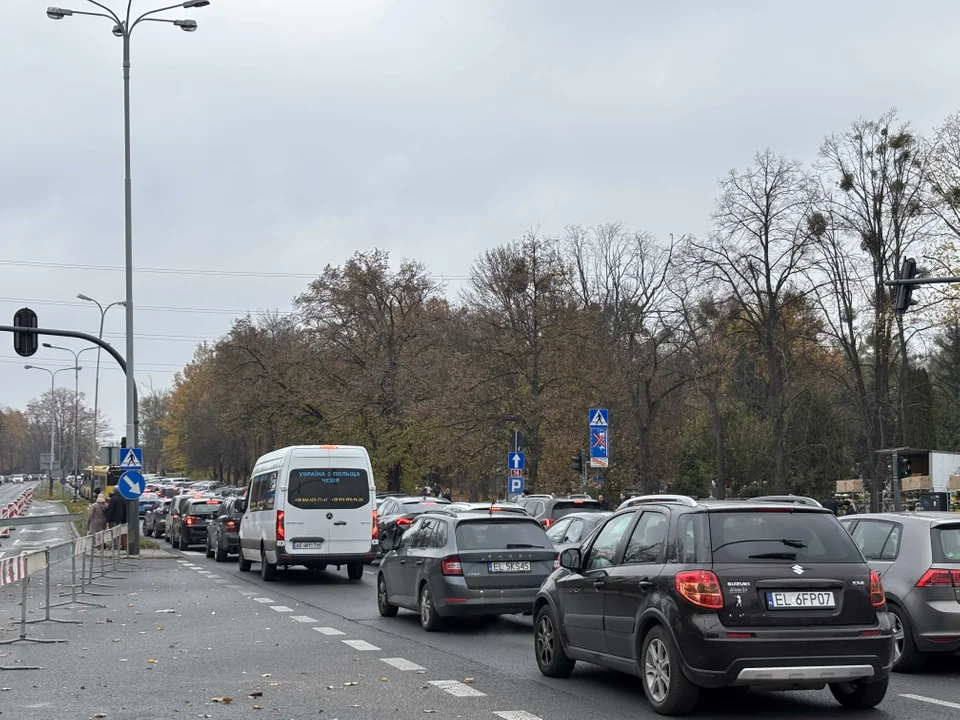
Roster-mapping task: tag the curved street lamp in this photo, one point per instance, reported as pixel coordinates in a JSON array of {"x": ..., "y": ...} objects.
[
  {"x": 96, "y": 386},
  {"x": 53, "y": 414}
]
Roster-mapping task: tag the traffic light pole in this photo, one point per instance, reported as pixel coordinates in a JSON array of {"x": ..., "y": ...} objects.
[{"x": 896, "y": 481}]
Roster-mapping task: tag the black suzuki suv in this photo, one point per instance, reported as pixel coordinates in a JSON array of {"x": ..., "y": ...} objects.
[{"x": 689, "y": 595}]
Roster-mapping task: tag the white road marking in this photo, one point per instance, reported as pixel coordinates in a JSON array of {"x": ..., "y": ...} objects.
[
  {"x": 233, "y": 587},
  {"x": 204, "y": 572},
  {"x": 369, "y": 572},
  {"x": 265, "y": 601},
  {"x": 220, "y": 581},
  {"x": 183, "y": 562},
  {"x": 402, "y": 664},
  {"x": 359, "y": 644},
  {"x": 306, "y": 619},
  {"x": 932, "y": 701},
  {"x": 281, "y": 608},
  {"x": 212, "y": 576},
  {"x": 328, "y": 631},
  {"x": 248, "y": 594},
  {"x": 516, "y": 715},
  {"x": 456, "y": 688},
  {"x": 192, "y": 552}
]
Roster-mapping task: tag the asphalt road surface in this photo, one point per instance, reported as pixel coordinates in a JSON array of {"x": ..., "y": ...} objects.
[{"x": 304, "y": 640}]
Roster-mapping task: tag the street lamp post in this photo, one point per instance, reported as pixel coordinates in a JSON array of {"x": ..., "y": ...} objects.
[
  {"x": 53, "y": 413},
  {"x": 76, "y": 397},
  {"x": 124, "y": 29},
  {"x": 96, "y": 387}
]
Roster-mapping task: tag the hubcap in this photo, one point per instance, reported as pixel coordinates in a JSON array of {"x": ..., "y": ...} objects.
[
  {"x": 898, "y": 637},
  {"x": 425, "y": 606},
  {"x": 656, "y": 670},
  {"x": 382, "y": 587},
  {"x": 545, "y": 640}
]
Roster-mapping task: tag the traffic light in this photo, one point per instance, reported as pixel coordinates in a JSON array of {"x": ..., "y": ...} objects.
[
  {"x": 576, "y": 463},
  {"x": 25, "y": 344},
  {"x": 903, "y": 467},
  {"x": 904, "y": 295}
]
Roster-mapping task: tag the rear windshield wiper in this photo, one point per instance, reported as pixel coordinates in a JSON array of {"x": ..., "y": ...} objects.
[
  {"x": 786, "y": 541},
  {"x": 774, "y": 556},
  {"x": 511, "y": 546}
]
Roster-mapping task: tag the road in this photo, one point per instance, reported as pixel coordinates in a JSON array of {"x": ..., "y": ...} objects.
[{"x": 35, "y": 536}]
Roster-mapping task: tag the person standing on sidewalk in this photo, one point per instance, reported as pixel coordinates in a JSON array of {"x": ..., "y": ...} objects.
[
  {"x": 116, "y": 512},
  {"x": 97, "y": 515}
]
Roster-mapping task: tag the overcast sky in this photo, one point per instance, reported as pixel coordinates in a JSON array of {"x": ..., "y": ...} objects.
[{"x": 282, "y": 136}]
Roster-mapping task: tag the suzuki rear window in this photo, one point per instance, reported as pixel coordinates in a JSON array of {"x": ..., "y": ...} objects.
[
  {"x": 946, "y": 542},
  {"x": 480, "y": 535},
  {"x": 328, "y": 488},
  {"x": 565, "y": 508},
  {"x": 765, "y": 536}
]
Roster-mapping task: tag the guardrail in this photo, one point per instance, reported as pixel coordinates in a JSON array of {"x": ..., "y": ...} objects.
[
  {"x": 21, "y": 568},
  {"x": 14, "y": 509}
]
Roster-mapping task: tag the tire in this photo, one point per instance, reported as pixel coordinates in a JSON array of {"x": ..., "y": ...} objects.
[
  {"x": 906, "y": 657},
  {"x": 668, "y": 690},
  {"x": 220, "y": 554},
  {"x": 355, "y": 571},
  {"x": 182, "y": 544},
  {"x": 148, "y": 533},
  {"x": 209, "y": 550},
  {"x": 548, "y": 647},
  {"x": 429, "y": 620},
  {"x": 245, "y": 564},
  {"x": 860, "y": 695},
  {"x": 268, "y": 571},
  {"x": 383, "y": 605}
]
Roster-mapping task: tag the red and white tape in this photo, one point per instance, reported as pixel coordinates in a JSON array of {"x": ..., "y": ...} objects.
[{"x": 13, "y": 569}]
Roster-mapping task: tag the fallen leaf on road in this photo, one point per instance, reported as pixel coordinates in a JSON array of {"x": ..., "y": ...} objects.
[
  {"x": 159, "y": 627},
  {"x": 205, "y": 715},
  {"x": 383, "y": 679},
  {"x": 122, "y": 660},
  {"x": 468, "y": 680},
  {"x": 100, "y": 715},
  {"x": 255, "y": 694},
  {"x": 274, "y": 684},
  {"x": 265, "y": 675},
  {"x": 429, "y": 711},
  {"x": 151, "y": 660},
  {"x": 130, "y": 605},
  {"x": 5, "y": 689},
  {"x": 257, "y": 707},
  {"x": 116, "y": 639},
  {"x": 224, "y": 700},
  {"x": 331, "y": 687},
  {"x": 168, "y": 610}
]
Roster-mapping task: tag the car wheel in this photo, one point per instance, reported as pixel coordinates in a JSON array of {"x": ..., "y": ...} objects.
[
  {"x": 383, "y": 605},
  {"x": 182, "y": 543},
  {"x": 268, "y": 571},
  {"x": 860, "y": 695},
  {"x": 245, "y": 564},
  {"x": 906, "y": 657},
  {"x": 220, "y": 555},
  {"x": 147, "y": 531},
  {"x": 429, "y": 620},
  {"x": 208, "y": 548},
  {"x": 355, "y": 571},
  {"x": 668, "y": 690},
  {"x": 547, "y": 646}
]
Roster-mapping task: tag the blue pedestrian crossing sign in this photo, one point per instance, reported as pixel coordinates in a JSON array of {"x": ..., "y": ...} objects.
[
  {"x": 598, "y": 417},
  {"x": 131, "y": 458},
  {"x": 131, "y": 484},
  {"x": 515, "y": 485},
  {"x": 599, "y": 438},
  {"x": 516, "y": 461}
]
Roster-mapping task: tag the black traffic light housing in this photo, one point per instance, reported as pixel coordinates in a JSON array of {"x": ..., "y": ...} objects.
[
  {"x": 576, "y": 462},
  {"x": 25, "y": 344},
  {"x": 904, "y": 296},
  {"x": 903, "y": 467}
]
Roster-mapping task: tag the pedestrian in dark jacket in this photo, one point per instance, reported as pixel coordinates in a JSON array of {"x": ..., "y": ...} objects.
[{"x": 117, "y": 509}]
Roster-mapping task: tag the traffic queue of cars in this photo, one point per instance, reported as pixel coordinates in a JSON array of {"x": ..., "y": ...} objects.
[{"x": 771, "y": 593}]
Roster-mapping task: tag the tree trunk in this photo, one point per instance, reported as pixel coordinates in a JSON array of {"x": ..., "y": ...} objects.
[{"x": 394, "y": 476}]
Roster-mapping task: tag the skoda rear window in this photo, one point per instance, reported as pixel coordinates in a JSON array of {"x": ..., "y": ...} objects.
[
  {"x": 573, "y": 506},
  {"x": 328, "y": 488},
  {"x": 780, "y": 535},
  {"x": 946, "y": 543},
  {"x": 485, "y": 535}
]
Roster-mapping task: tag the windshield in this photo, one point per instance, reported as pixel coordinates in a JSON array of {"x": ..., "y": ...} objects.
[
  {"x": 415, "y": 507},
  {"x": 573, "y": 506},
  {"x": 486, "y": 535},
  {"x": 780, "y": 536},
  {"x": 328, "y": 488}
]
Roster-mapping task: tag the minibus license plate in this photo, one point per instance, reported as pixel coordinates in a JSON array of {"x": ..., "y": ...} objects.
[
  {"x": 307, "y": 545},
  {"x": 800, "y": 600},
  {"x": 508, "y": 567}
]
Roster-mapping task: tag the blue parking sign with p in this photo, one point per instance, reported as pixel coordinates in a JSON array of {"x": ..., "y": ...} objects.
[{"x": 515, "y": 485}]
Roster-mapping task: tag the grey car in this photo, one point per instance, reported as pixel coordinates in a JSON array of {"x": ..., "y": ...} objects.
[
  {"x": 449, "y": 564},
  {"x": 918, "y": 558},
  {"x": 573, "y": 529}
]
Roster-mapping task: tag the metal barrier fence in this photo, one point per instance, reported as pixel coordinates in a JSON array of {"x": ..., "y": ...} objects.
[
  {"x": 22, "y": 568},
  {"x": 14, "y": 509}
]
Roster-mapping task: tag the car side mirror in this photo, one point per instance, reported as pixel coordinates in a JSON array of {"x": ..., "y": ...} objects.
[
  {"x": 387, "y": 542},
  {"x": 571, "y": 559}
]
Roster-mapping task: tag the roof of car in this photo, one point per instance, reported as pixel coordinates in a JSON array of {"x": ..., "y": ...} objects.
[
  {"x": 721, "y": 505},
  {"x": 932, "y": 518},
  {"x": 586, "y": 515}
]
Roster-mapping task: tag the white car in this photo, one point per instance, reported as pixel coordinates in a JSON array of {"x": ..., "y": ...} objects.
[
  {"x": 18, "y": 478},
  {"x": 310, "y": 505}
]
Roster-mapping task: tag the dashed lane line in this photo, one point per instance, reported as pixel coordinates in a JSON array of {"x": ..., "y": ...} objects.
[
  {"x": 456, "y": 688},
  {"x": 281, "y": 608},
  {"x": 213, "y": 577},
  {"x": 233, "y": 587},
  {"x": 359, "y": 644},
  {"x": 931, "y": 701},
  {"x": 402, "y": 664},
  {"x": 328, "y": 631},
  {"x": 516, "y": 715},
  {"x": 305, "y": 619},
  {"x": 265, "y": 601},
  {"x": 248, "y": 593}
]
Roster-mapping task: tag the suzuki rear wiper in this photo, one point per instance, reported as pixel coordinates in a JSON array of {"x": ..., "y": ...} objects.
[
  {"x": 786, "y": 541},
  {"x": 774, "y": 556}
]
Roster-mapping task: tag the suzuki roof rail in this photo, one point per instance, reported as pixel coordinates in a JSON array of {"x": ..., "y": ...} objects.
[
  {"x": 795, "y": 499},
  {"x": 644, "y": 499}
]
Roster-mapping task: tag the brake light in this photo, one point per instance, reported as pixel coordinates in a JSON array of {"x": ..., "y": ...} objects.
[
  {"x": 556, "y": 562},
  {"x": 939, "y": 578},
  {"x": 375, "y": 532},
  {"x": 877, "y": 597},
  {"x": 578, "y": 502},
  {"x": 451, "y": 566},
  {"x": 547, "y": 522},
  {"x": 403, "y": 521},
  {"x": 280, "y": 525},
  {"x": 231, "y": 524},
  {"x": 213, "y": 502},
  {"x": 329, "y": 447},
  {"x": 700, "y": 588},
  {"x": 188, "y": 521}
]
